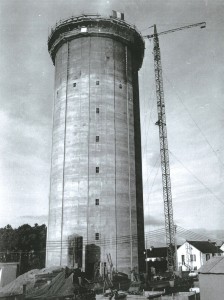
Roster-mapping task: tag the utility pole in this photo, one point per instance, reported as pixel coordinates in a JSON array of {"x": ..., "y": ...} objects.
[{"x": 164, "y": 152}]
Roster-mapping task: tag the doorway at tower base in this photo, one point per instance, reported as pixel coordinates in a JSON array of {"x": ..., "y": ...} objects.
[
  {"x": 92, "y": 261},
  {"x": 75, "y": 251}
]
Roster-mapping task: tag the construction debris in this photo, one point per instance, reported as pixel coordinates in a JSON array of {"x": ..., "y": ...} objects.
[
  {"x": 16, "y": 287},
  {"x": 51, "y": 282}
]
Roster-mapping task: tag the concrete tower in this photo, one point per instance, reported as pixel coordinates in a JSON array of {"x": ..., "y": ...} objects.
[{"x": 96, "y": 202}]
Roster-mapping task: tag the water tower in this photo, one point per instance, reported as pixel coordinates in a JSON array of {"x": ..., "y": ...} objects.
[{"x": 96, "y": 201}]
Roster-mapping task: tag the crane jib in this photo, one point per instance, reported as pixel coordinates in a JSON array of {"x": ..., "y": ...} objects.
[{"x": 201, "y": 25}]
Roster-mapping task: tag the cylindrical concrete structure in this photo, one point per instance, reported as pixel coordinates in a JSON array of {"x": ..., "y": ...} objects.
[{"x": 96, "y": 176}]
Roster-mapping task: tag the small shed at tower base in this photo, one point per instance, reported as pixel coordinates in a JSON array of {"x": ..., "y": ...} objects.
[
  {"x": 8, "y": 272},
  {"x": 211, "y": 279}
]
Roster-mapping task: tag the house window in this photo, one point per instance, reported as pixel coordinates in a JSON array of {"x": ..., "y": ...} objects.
[
  {"x": 97, "y": 170},
  {"x": 97, "y": 110},
  {"x": 97, "y": 236},
  {"x": 97, "y": 202},
  {"x": 207, "y": 257},
  {"x": 195, "y": 268},
  {"x": 74, "y": 84},
  {"x": 97, "y": 82},
  {"x": 97, "y": 138},
  {"x": 182, "y": 259},
  {"x": 193, "y": 257}
]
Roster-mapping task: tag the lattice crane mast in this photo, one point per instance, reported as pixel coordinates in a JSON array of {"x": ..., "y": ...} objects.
[{"x": 164, "y": 154}]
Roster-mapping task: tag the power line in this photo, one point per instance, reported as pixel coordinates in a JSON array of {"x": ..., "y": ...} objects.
[
  {"x": 193, "y": 234},
  {"x": 187, "y": 110},
  {"x": 151, "y": 110},
  {"x": 207, "y": 188},
  {"x": 150, "y": 235},
  {"x": 147, "y": 179}
]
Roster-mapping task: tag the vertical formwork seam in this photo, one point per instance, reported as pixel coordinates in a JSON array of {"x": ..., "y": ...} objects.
[
  {"x": 80, "y": 114},
  {"x": 79, "y": 140},
  {"x": 103, "y": 75},
  {"x": 65, "y": 131},
  {"x": 99, "y": 132},
  {"x": 115, "y": 160},
  {"x": 129, "y": 183},
  {"x": 88, "y": 146},
  {"x": 52, "y": 139}
]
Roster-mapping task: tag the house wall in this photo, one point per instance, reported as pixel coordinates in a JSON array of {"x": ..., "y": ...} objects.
[
  {"x": 201, "y": 258},
  {"x": 193, "y": 264},
  {"x": 8, "y": 273},
  {"x": 211, "y": 286}
]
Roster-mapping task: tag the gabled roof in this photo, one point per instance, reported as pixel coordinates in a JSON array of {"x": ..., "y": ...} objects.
[
  {"x": 215, "y": 265},
  {"x": 205, "y": 246}
]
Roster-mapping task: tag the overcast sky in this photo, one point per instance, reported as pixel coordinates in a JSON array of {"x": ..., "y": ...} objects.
[{"x": 193, "y": 64}]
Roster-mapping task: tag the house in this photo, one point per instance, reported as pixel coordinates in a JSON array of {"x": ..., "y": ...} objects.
[
  {"x": 156, "y": 260},
  {"x": 211, "y": 279},
  {"x": 194, "y": 254},
  {"x": 156, "y": 253},
  {"x": 8, "y": 272},
  {"x": 222, "y": 247}
]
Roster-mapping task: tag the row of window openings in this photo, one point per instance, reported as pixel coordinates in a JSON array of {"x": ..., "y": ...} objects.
[
  {"x": 97, "y": 201},
  {"x": 97, "y": 83},
  {"x": 97, "y": 109},
  {"x": 97, "y": 235},
  {"x": 192, "y": 258}
]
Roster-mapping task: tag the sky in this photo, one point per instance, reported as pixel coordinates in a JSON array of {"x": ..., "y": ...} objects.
[{"x": 193, "y": 65}]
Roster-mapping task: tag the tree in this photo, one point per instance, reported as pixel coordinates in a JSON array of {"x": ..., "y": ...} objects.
[{"x": 26, "y": 244}]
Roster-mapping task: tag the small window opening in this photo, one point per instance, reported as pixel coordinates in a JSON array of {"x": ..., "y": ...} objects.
[
  {"x": 97, "y": 236},
  {"x": 74, "y": 84},
  {"x": 120, "y": 86},
  {"x": 97, "y": 170},
  {"x": 83, "y": 29},
  {"x": 97, "y": 202},
  {"x": 97, "y": 138},
  {"x": 97, "y": 110},
  {"x": 97, "y": 82}
]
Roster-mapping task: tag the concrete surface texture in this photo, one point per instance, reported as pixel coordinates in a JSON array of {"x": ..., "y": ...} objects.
[{"x": 96, "y": 204}]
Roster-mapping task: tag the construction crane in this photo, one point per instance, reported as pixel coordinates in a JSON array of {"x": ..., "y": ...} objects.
[{"x": 164, "y": 153}]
